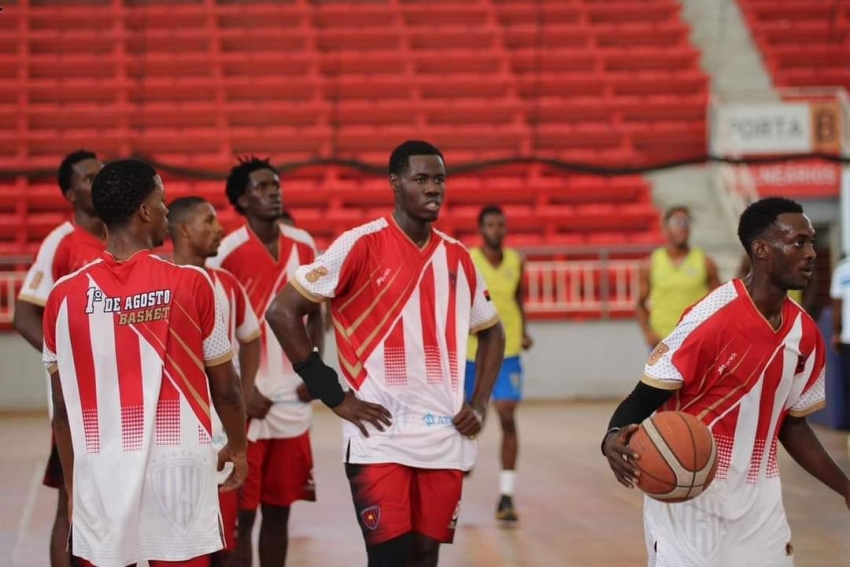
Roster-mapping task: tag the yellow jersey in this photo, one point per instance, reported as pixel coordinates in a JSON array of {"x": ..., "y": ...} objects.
[
  {"x": 674, "y": 288},
  {"x": 502, "y": 282}
]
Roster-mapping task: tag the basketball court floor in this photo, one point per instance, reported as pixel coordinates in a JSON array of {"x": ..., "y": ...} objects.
[{"x": 573, "y": 512}]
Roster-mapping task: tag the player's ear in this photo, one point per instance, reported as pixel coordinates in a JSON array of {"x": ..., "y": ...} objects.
[
  {"x": 70, "y": 196},
  {"x": 395, "y": 183},
  {"x": 242, "y": 201},
  {"x": 760, "y": 250}
]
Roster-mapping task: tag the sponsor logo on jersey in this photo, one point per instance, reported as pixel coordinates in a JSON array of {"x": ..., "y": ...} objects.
[{"x": 430, "y": 419}]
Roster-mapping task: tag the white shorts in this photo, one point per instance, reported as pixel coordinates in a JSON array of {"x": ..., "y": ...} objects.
[{"x": 698, "y": 534}]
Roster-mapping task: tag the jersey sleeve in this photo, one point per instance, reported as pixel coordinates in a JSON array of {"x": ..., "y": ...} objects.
[
  {"x": 483, "y": 315},
  {"x": 42, "y": 274},
  {"x": 332, "y": 273},
  {"x": 217, "y": 347},
  {"x": 247, "y": 324},
  {"x": 813, "y": 396},
  {"x": 835, "y": 286},
  {"x": 682, "y": 356},
  {"x": 48, "y": 353}
]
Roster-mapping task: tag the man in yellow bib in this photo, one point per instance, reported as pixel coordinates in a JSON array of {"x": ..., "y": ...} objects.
[
  {"x": 502, "y": 270},
  {"x": 674, "y": 277}
]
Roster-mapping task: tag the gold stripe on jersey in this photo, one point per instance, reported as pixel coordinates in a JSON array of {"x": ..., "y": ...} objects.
[
  {"x": 662, "y": 384},
  {"x": 809, "y": 410},
  {"x": 189, "y": 317},
  {"x": 405, "y": 296},
  {"x": 33, "y": 300},
  {"x": 363, "y": 288},
  {"x": 53, "y": 368},
  {"x": 368, "y": 311},
  {"x": 485, "y": 325},
  {"x": 226, "y": 357},
  {"x": 252, "y": 337},
  {"x": 307, "y": 294}
]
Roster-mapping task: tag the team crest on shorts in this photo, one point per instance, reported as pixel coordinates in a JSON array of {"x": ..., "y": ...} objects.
[{"x": 371, "y": 517}]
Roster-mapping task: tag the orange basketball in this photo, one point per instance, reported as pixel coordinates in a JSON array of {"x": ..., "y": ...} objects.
[{"x": 678, "y": 456}]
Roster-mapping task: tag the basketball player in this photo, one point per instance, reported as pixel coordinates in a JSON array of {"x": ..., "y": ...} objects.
[
  {"x": 502, "y": 269},
  {"x": 194, "y": 228},
  {"x": 68, "y": 248},
  {"x": 749, "y": 363},
  {"x": 263, "y": 255},
  {"x": 137, "y": 350},
  {"x": 404, "y": 299},
  {"x": 674, "y": 277}
]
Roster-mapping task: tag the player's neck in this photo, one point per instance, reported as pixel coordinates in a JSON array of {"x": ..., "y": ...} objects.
[
  {"x": 416, "y": 230},
  {"x": 678, "y": 251},
  {"x": 767, "y": 297},
  {"x": 493, "y": 254},
  {"x": 267, "y": 231},
  {"x": 90, "y": 224},
  {"x": 186, "y": 257},
  {"x": 124, "y": 244}
]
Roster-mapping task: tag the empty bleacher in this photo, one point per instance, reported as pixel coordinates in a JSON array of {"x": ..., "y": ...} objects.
[{"x": 196, "y": 82}]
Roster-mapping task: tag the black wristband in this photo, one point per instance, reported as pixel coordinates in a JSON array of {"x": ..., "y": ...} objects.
[{"x": 321, "y": 380}]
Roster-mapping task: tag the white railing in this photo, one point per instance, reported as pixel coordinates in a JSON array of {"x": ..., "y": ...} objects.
[
  {"x": 10, "y": 282},
  {"x": 554, "y": 288},
  {"x": 569, "y": 287}
]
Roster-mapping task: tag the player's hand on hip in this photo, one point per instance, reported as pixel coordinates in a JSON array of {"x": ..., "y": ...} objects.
[
  {"x": 258, "y": 405},
  {"x": 304, "y": 394},
  {"x": 527, "y": 342},
  {"x": 620, "y": 457},
  {"x": 469, "y": 421},
  {"x": 359, "y": 413},
  {"x": 240, "y": 467}
]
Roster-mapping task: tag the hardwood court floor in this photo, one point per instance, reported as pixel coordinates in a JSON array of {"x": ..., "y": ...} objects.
[{"x": 573, "y": 512}]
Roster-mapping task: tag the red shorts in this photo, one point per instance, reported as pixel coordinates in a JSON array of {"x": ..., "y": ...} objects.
[
  {"x": 391, "y": 500},
  {"x": 280, "y": 471},
  {"x": 53, "y": 476},
  {"x": 200, "y": 561},
  {"x": 228, "y": 503}
]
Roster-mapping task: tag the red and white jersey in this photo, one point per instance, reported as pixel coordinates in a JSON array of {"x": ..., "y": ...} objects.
[
  {"x": 403, "y": 316},
  {"x": 242, "y": 328},
  {"x": 741, "y": 377},
  {"x": 131, "y": 341},
  {"x": 65, "y": 250},
  {"x": 243, "y": 254}
]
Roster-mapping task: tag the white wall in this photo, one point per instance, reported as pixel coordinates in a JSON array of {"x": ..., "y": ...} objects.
[{"x": 569, "y": 360}]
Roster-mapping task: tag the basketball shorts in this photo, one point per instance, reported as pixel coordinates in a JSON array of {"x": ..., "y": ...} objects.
[
  {"x": 53, "y": 476},
  {"x": 508, "y": 386},
  {"x": 695, "y": 534},
  {"x": 200, "y": 561},
  {"x": 280, "y": 472},
  {"x": 391, "y": 500},
  {"x": 228, "y": 504}
]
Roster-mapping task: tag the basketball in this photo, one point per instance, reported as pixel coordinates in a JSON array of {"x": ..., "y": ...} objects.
[{"x": 678, "y": 456}]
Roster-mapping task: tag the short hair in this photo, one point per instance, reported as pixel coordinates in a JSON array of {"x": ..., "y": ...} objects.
[
  {"x": 179, "y": 211},
  {"x": 120, "y": 188},
  {"x": 66, "y": 168},
  {"x": 400, "y": 158},
  {"x": 760, "y": 216},
  {"x": 237, "y": 180},
  {"x": 489, "y": 210},
  {"x": 668, "y": 214}
]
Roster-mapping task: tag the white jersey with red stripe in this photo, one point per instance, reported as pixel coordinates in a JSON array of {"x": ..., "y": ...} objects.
[
  {"x": 731, "y": 369},
  {"x": 246, "y": 257},
  {"x": 242, "y": 328},
  {"x": 402, "y": 317},
  {"x": 131, "y": 341}
]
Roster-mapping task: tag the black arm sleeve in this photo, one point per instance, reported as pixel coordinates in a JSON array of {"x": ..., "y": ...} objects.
[{"x": 639, "y": 405}]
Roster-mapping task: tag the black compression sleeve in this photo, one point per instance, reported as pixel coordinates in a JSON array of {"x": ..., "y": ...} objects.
[
  {"x": 639, "y": 405},
  {"x": 321, "y": 380}
]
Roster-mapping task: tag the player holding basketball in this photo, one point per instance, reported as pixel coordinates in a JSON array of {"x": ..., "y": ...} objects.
[
  {"x": 263, "y": 255},
  {"x": 137, "y": 350},
  {"x": 502, "y": 269},
  {"x": 68, "y": 248},
  {"x": 749, "y": 363},
  {"x": 194, "y": 228},
  {"x": 404, "y": 299}
]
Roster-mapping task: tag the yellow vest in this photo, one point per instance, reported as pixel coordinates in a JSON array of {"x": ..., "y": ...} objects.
[
  {"x": 674, "y": 288},
  {"x": 502, "y": 282}
]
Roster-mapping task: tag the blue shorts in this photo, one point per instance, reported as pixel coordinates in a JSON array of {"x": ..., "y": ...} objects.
[{"x": 508, "y": 386}]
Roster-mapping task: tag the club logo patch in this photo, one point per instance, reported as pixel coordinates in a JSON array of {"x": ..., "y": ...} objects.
[
  {"x": 316, "y": 273},
  {"x": 657, "y": 353},
  {"x": 371, "y": 517},
  {"x": 455, "y": 516}
]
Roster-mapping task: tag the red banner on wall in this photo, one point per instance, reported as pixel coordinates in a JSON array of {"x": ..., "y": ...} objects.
[{"x": 797, "y": 179}]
